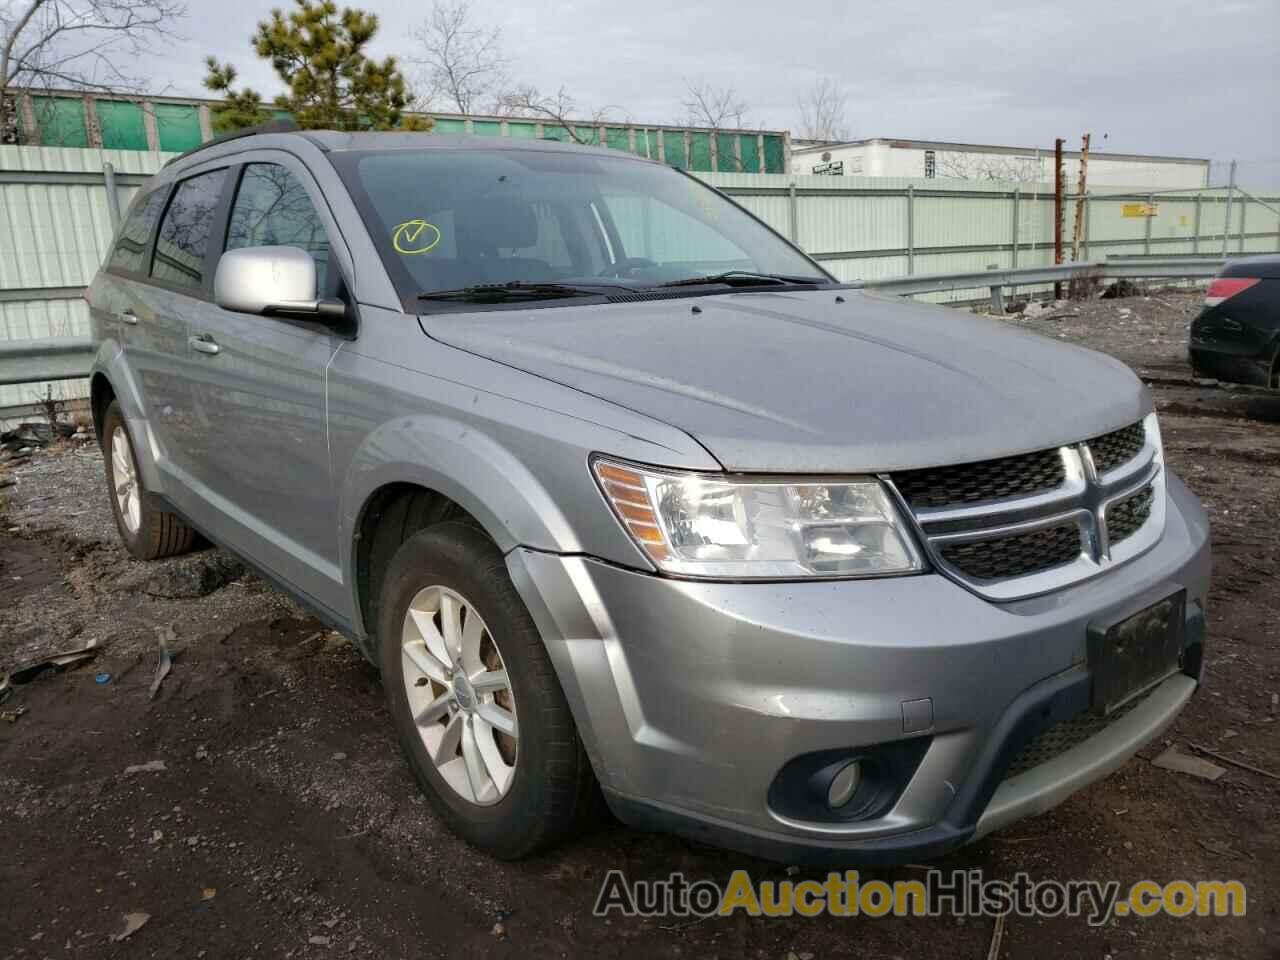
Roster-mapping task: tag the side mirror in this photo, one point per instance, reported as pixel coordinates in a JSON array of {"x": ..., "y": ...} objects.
[{"x": 272, "y": 280}]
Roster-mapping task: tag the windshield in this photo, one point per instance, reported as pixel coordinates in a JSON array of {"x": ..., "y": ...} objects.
[{"x": 446, "y": 220}]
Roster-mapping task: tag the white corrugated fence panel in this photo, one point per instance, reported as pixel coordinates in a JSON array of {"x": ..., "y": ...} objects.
[
  {"x": 56, "y": 234},
  {"x": 51, "y": 235},
  {"x": 962, "y": 221},
  {"x": 79, "y": 160},
  {"x": 833, "y": 224}
]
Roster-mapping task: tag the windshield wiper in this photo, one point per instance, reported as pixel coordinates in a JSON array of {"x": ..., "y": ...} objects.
[
  {"x": 514, "y": 290},
  {"x": 745, "y": 278}
]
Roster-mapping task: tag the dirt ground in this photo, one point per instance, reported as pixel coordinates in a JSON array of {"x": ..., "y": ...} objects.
[{"x": 281, "y": 821}]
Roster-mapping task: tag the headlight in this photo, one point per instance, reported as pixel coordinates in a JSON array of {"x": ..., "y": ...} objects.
[{"x": 702, "y": 526}]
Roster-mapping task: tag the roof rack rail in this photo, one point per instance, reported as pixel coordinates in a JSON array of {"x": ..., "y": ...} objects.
[{"x": 271, "y": 126}]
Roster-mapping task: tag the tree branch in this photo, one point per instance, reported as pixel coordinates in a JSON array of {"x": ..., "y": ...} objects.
[
  {"x": 462, "y": 61},
  {"x": 52, "y": 37}
]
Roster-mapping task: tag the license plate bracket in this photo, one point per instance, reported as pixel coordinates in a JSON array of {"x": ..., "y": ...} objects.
[{"x": 1130, "y": 655}]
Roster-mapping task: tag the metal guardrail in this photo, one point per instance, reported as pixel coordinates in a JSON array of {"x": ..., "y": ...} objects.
[
  {"x": 1115, "y": 268},
  {"x": 67, "y": 358},
  {"x": 56, "y": 358}
]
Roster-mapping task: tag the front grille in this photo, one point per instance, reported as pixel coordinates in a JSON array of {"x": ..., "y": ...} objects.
[
  {"x": 985, "y": 480},
  {"x": 1117, "y": 447},
  {"x": 1063, "y": 736},
  {"x": 1126, "y": 517},
  {"x": 960, "y": 509},
  {"x": 1014, "y": 556}
]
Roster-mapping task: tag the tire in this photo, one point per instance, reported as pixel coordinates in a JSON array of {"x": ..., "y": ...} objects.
[
  {"x": 148, "y": 533},
  {"x": 550, "y": 792}
]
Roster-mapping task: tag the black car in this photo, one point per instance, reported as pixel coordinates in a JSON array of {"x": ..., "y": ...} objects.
[{"x": 1237, "y": 335}]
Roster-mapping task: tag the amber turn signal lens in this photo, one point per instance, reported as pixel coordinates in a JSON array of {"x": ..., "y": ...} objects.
[{"x": 629, "y": 497}]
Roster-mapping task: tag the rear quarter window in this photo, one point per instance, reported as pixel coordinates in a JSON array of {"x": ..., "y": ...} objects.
[{"x": 130, "y": 251}]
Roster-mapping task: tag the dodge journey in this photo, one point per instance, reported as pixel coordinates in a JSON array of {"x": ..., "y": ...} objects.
[{"x": 630, "y": 499}]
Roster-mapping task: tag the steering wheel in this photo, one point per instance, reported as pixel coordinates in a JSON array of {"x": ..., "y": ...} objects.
[{"x": 626, "y": 266}]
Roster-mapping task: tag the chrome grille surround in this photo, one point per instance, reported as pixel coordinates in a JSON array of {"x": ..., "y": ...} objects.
[{"x": 1084, "y": 499}]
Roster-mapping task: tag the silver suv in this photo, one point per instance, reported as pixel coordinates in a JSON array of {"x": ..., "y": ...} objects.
[{"x": 624, "y": 494}]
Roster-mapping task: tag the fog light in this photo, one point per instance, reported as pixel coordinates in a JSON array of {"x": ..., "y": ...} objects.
[{"x": 844, "y": 785}]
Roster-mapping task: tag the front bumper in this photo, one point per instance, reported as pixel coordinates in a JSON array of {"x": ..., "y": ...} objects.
[
  {"x": 1231, "y": 366},
  {"x": 691, "y": 696},
  {"x": 1230, "y": 349}
]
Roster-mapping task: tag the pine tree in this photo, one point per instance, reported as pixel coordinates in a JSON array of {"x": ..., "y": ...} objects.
[
  {"x": 318, "y": 53},
  {"x": 238, "y": 109}
]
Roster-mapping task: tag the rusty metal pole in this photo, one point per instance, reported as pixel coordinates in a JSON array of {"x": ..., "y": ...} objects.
[
  {"x": 1057, "y": 211},
  {"x": 1081, "y": 186},
  {"x": 1075, "y": 288}
]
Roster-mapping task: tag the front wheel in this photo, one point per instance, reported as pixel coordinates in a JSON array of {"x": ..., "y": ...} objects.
[{"x": 478, "y": 709}]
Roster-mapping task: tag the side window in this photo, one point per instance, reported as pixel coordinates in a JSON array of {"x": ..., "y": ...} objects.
[
  {"x": 130, "y": 252},
  {"x": 184, "y": 232},
  {"x": 272, "y": 208}
]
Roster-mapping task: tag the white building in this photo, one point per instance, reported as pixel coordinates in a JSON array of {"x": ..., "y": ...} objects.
[{"x": 969, "y": 161}]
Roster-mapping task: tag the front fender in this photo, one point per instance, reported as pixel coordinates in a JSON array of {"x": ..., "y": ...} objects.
[
  {"x": 470, "y": 468},
  {"x": 510, "y": 448}
]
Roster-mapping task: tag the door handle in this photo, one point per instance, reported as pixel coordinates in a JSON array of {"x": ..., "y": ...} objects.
[
  {"x": 127, "y": 316},
  {"x": 203, "y": 344}
]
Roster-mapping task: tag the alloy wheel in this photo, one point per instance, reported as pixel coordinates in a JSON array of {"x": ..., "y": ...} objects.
[
  {"x": 124, "y": 475},
  {"x": 460, "y": 695}
]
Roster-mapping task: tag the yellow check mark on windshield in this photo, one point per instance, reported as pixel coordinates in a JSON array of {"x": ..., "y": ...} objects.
[{"x": 415, "y": 236}]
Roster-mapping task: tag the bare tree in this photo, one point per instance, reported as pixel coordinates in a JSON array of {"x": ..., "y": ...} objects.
[
  {"x": 707, "y": 105},
  {"x": 962, "y": 165},
  {"x": 559, "y": 109},
  {"x": 462, "y": 61},
  {"x": 78, "y": 44},
  {"x": 823, "y": 112},
  {"x": 717, "y": 108}
]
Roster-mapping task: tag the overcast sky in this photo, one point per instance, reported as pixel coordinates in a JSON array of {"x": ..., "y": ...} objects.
[{"x": 1184, "y": 77}]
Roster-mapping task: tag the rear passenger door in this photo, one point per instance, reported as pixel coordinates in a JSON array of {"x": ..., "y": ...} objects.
[
  {"x": 113, "y": 306},
  {"x": 165, "y": 280},
  {"x": 259, "y": 391}
]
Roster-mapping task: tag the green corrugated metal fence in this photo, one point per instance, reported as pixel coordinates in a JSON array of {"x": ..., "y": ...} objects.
[
  {"x": 177, "y": 126},
  {"x": 122, "y": 124},
  {"x": 172, "y": 125},
  {"x": 59, "y": 122}
]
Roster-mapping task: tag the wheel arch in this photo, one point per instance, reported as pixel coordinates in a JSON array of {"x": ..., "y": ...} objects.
[
  {"x": 391, "y": 515},
  {"x": 419, "y": 470},
  {"x": 101, "y": 393}
]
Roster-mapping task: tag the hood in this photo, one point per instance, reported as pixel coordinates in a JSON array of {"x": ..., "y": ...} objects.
[{"x": 797, "y": 382}]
